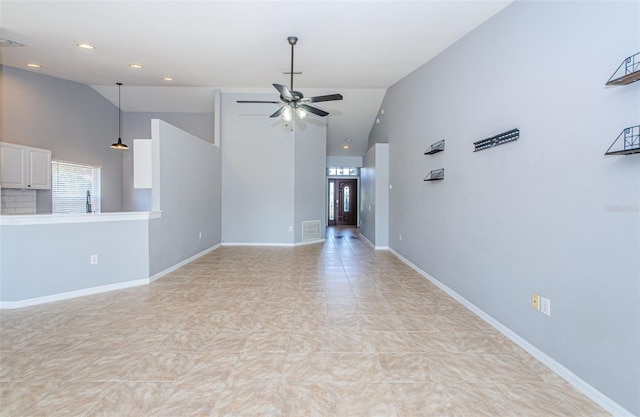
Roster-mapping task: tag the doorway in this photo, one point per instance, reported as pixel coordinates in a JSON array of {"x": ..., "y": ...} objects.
[{"x": 343, "y": 202}]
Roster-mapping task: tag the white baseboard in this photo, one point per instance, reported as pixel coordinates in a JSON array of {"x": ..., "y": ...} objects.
[
  {"x": 267, "y": 244},
  {"x": 309, "y": 242},
  {"x": 102, "y": 288},
  {"x": 72, "y": 294},
  {"x": 182, "y": 263},
  {"x": 364, "y": 238},
  {"x": 256, "y": 244},
  {"x": 596, "y": 396}
]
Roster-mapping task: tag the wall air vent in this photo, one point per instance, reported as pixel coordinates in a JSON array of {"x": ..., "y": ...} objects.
[{"x": 311, "y": 230}]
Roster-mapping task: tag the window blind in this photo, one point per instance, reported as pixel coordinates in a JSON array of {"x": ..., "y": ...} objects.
[{"x": 69, "y": 185}]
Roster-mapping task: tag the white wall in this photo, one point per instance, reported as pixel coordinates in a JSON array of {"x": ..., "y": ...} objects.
[
  {"x": 187, "y": 185},
  {"x": 270, "y": 173},
  {"x": 539, "y": 214}
]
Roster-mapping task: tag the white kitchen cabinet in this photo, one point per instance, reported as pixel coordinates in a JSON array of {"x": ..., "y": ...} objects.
[{"x": 24, "y": 167}]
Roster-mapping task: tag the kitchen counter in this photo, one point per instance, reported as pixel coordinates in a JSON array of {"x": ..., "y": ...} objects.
[{"x": 34, "y": 219}]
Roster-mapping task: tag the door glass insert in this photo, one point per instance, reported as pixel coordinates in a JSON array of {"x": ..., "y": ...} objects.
[
  {"x": 346, "y": 199},
  {"x": 331, "y": 201}
]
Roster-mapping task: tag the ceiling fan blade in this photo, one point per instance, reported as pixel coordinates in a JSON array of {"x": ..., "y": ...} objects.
[
  {"x": 330, "y": 97},
  {"x": 278, "y": 112},
  {"x": 313, "y": 110},
  {"x": 284, "y": 92},
  {"x": 253, "y": 101}
]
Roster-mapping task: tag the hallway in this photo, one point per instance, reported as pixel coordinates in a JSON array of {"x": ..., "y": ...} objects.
[{"x": 333, "y": 329}]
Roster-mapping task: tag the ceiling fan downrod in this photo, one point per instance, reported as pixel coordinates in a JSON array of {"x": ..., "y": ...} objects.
[{"x": 292, "y": 41}]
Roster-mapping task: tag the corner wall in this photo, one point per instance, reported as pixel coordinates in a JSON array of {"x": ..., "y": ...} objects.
[
  {"x": 273, "y": 176},
  {"x": 374, "y": 191},
  {"x": 137, "y": 125},
  {"x": 187, "y": 181},
  {"x": 548, "y": 213},
  {"x": 72, "y": 120},
  {"x": 310, "y": 174}
]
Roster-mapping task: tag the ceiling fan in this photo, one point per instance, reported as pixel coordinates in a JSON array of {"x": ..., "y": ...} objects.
[{"x": 295, "y": 101}]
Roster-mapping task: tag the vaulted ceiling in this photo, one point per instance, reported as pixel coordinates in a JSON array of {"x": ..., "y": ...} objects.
[{"x": 358, "y": 48}]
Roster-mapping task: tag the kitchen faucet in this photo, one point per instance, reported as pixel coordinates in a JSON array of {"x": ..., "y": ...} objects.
[{"x": 88, "y": 206}]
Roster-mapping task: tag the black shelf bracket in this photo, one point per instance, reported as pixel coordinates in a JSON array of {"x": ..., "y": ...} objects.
[
  {"x": 496, "y": 140},
  {"x": 435, "y": 148},
  {"x": 628, "y": 72},
  {"x": 435, "y": 175},
  {"x": 629, "y": 144}
]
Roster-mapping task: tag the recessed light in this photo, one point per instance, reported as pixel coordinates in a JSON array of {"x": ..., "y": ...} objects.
[
  {"x": 136, "y": 66},
  {"x": 168, "y": 79},
  {"x": 345, "y": 147},
  {"x": 30, "y": 65},
  {"x": 85, "y": 46}
]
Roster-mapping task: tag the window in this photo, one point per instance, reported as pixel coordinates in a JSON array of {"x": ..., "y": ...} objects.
[
  {"x": 331, "y": 197},
  {"x": 70, "y": 183},
  {"x": 342, "y": 171},
  {"x": 346, "y": 206}
]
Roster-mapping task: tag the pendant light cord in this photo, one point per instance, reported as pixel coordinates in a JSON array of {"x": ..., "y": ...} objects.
[{"x": 119, "y": 113}]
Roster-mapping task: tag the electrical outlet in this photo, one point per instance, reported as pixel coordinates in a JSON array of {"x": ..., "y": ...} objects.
[
  {"x": 94, "y": 259},
  {"x": 535, "y": 301},
  {"x": 545, "y": 306},
  {"x": 291, "y": 228}
]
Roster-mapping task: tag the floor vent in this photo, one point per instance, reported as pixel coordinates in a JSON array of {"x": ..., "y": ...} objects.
[{"x": 311, "y": 230}]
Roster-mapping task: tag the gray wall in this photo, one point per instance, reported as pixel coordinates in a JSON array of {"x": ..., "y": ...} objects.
[
  {"x": 190, "y": 197},
  {"x": 137, "y": 125},
  {"x": 344, "y": 161},
  {"x": 273, "y": 176},
  {"x": 547, "y": 214},
  {"x": 382, "y": 194},
  {"x": 72, "y": 120},
  {"x": 368, "y": 195},
  {"x": 374, "y": 191},
  {"x": 257, "y": 173},
  {"x": 310, "y": 174},
  {"x": 49, "y": 259}
]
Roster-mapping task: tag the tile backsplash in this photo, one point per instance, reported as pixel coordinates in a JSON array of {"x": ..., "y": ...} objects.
[{"x": 17, "y": 201}]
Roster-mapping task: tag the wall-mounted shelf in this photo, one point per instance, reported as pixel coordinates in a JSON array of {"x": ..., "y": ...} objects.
[
  {"x": 435, "y": 148},
  {"x": 628, "y": 72},
  {"x": 435, "y": 175},
  {"x": 496, "y": 140},
  {"x": 628, "y": 142}
]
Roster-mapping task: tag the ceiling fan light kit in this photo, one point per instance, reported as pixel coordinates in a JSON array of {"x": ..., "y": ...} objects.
[{"x": 294, "y": 101}]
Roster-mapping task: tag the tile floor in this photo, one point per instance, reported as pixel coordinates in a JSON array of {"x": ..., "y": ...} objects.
[{"x": 321, "y": 330}]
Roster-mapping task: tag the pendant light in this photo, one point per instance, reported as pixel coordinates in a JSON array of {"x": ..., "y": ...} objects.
[{"x": 119, "y": 145}]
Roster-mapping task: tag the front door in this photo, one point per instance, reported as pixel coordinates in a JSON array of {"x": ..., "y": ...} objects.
[{"x": 343, "y": 202}]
